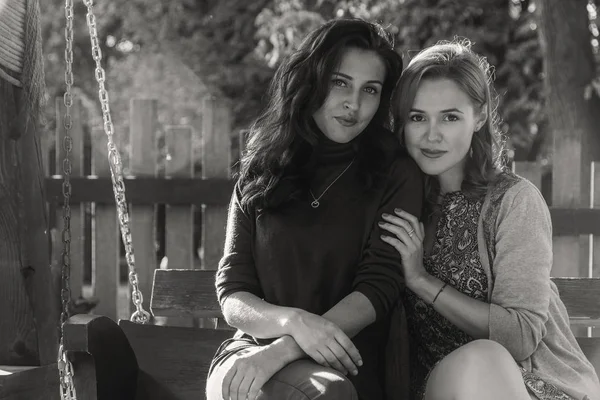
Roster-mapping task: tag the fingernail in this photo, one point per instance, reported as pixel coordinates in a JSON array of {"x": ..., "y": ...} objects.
[
  {"x": 381, "y": 223},
  {"x": 354, "y": 372},
  {"x": 360, "y": 363},
  {"x": 397, "y": 210},
  {"x": 384, "y": 215}
]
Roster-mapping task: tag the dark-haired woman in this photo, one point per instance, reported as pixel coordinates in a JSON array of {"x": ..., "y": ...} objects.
[{"x": 305, "y": 276}]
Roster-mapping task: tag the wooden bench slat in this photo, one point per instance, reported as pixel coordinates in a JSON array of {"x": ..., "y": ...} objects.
[{"x": 180, "y": 292}]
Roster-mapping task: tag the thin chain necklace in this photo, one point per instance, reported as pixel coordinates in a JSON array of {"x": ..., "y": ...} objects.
[{"x": 315, "y": 203}]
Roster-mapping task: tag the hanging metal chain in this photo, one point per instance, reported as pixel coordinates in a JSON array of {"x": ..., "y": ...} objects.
[
  {"x": 116, "y": 170},
  {"x": 65, "y": 368}
]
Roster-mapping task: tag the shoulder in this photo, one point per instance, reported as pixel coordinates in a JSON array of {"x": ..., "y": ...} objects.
[{"x": 512, "y": 194}]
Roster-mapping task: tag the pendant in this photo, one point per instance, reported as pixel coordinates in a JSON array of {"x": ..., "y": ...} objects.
[{"x": 315, "y": 204}]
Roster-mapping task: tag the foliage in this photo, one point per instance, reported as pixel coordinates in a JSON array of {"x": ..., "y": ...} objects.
[{"x": 233, "y": 46}]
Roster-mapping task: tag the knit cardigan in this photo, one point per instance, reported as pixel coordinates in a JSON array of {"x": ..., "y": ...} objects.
[{"x": 527, "y": 315}]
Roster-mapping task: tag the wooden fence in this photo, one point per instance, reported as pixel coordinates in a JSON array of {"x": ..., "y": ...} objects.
[{"x": 576, "y": 253}]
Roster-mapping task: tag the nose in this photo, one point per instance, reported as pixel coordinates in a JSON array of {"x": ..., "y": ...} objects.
[
  {"x": 433, "y": 132},
  {"x": 352, "y": 103}
]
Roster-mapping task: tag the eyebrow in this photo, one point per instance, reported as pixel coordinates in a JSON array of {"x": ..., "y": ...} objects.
[
  {"x": 442, "y": 111},
  {"x": 350, "y": 78}
]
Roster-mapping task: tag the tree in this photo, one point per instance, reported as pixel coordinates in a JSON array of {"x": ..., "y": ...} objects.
[{"x": 569, "y": 68}]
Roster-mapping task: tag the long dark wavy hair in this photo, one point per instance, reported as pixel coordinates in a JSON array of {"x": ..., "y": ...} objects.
[
  {"x": 279, "y": 158},
  {"x": 455, "y": 60}
]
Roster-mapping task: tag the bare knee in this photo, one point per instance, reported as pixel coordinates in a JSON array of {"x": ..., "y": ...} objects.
[
  {"x": 467, "y": 366},
  {"x": 306, "y": 380}
]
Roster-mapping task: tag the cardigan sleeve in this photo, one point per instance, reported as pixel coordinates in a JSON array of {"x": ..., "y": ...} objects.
[
  {"x": 237, "y": 271},
  {"x": 379, "y": 275},
  {"x": 521, "y": 271}
]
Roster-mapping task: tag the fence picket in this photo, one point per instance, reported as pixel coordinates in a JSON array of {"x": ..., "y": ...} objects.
[
  {"x": 143, "y": 162},
  {"x": 105, "y": 237}
]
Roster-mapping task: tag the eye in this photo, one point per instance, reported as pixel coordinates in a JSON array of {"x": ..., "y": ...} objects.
[
  {"x": 338, "y": 82},
  {"x": 417, "y": 118},
  {"x": 451, "y": 117},
  {"x": 371, "y": 90}
]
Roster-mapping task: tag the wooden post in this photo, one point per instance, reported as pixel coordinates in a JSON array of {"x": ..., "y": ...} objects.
[
  {"x": 143, "y": 128},
  {"x": 594, "y": 261},
  {"x": 106, "y": 236},
  {"x": 28, "y": 303},
  {"x": 77, "y": 210},
  {"x": 216, "y": 161},
  {"x": 179, "y": 221}
]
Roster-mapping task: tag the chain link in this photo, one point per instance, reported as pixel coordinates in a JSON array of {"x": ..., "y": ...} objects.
[
  {"x": 116, "y": 170},
  {"x": 65, "y": 368}
]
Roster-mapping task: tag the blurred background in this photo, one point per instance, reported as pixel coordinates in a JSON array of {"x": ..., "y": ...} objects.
[{"x": 179, "y": 50}]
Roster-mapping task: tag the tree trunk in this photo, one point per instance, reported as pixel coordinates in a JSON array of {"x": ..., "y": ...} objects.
[{"x": 573, "y": 120}]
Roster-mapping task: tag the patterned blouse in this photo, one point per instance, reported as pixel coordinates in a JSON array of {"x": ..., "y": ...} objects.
[{"x": 454, "y": 259}]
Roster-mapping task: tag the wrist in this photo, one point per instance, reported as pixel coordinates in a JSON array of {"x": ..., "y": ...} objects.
[
  {"x": 425, "y": 286},
  {"x": 286, "y": 349},
  {"x": 289, "y": 320}
]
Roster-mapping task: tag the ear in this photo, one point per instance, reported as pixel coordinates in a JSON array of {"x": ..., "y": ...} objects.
[{"x": 481, "y": 118}]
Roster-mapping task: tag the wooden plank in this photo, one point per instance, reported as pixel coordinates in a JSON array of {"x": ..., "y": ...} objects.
[
  {"x": 43, "y": 295},
  {"x": 179, "y": 292},
  {"x": 580, "y": 295},
  {"x": 575, "y": 222},
  {"x": 33, "y": 383},
  {"x": 106, "y": 237},
  {"x": 594, "y": 256},
  {"x": 18, "y": 342},
  {"x": 143, "y": 129},
  {"x": 215, "y": 164},
  {"x": 145, "y": 190},
  {"x": 77, "y": 211},
  {"x": 173, "y": 361},
  {"x": 179, "y": 219},
  {"x": 529, "y": 170}
]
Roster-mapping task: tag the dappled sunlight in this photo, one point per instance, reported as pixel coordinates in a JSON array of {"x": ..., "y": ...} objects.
[{"x": 3, "y": 5}]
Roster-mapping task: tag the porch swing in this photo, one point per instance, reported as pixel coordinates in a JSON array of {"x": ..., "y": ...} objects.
[{"x": 135, "y": 359}]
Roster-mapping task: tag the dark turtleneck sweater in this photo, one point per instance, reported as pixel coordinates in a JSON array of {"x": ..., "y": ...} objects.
[{"x": 311, "y": 258}]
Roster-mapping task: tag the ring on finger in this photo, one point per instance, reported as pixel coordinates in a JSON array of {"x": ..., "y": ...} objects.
[{"x": 411, "y": 233}]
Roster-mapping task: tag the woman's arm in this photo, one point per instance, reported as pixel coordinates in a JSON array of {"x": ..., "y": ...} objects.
[{"x": 520, "y": 287}]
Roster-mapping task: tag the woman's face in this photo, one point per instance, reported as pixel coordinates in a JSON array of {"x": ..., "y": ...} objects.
[
  {"x": 439, "y": 130},
  {"x": 354, "y": 95}
]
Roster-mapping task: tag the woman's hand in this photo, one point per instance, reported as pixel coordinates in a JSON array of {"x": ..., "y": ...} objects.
[
  {"x": 325, "y": 342},
  {"x": 407, "y": 237},
  {"x": 248, "y": 374}
]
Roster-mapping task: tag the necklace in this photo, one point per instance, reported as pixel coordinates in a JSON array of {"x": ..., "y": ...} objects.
[{"x": 315, "y": 203}]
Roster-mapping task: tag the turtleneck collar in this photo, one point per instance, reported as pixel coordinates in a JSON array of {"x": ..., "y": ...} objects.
[{"x": 331, "y": 152}]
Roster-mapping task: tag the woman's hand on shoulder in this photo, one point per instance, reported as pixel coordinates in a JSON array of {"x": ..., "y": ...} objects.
[
  {"x": 325, "y": 342},
  {"x": 406, "y": 234}
]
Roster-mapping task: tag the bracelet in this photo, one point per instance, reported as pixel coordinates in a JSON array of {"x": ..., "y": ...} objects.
[{"x": 439, "y": 292}]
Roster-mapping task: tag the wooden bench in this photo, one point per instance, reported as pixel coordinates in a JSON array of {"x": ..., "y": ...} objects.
[{"x": 130, "y": 361}]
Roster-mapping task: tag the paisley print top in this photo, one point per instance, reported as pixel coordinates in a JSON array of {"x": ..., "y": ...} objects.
[{"x": 454, "y": 259}]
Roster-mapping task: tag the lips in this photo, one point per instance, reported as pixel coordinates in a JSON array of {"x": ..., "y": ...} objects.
[
  {"x": 346, "y": 121},
  {"x": 432, "y": 153}
]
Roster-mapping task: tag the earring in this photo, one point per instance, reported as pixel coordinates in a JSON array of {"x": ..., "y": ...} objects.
[{"x": 471, "y": 151}]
